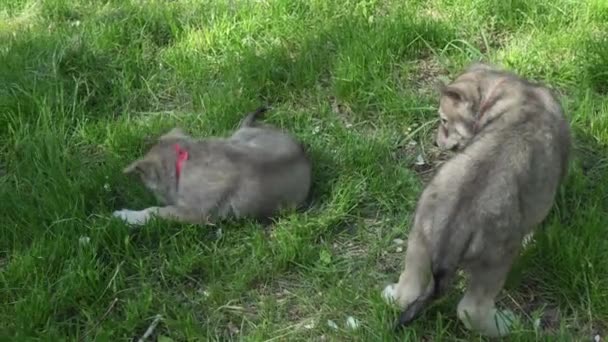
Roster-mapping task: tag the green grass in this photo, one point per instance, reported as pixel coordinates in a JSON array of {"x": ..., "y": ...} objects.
[{"x": 85, "y": 85}]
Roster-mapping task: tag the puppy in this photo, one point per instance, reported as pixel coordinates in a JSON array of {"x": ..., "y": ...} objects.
[
  {"x": 512, "y": 146},
  {"x": 256, "y": 172}
]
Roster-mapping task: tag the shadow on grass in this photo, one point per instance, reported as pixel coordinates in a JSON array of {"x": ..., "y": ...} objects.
[
  {"x": 595, "y": 59},
  {"x": 115, "y": 62}
]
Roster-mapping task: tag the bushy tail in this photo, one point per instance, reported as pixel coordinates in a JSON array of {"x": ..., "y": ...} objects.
[
  {"x": 252, "y": 117},
  {"x": 447, "y": 257},
  {"x": 415, "y": 308}
]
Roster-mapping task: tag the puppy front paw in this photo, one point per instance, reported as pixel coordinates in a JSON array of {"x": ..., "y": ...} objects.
[{"x": 134, "y": 217}]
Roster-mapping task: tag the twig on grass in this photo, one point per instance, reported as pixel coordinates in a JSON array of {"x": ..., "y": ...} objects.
[{"x": 151, "y": 328}]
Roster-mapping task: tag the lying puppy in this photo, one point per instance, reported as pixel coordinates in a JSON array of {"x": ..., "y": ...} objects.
[{"x": 256, "y": 173}]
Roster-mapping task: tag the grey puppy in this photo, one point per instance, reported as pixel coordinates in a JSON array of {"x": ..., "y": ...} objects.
[
  {"x": 512, "y": 145},
  {"x": 256, "y": 172}
]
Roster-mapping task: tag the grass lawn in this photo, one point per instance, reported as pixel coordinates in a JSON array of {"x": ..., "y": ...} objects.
[{"x": 86, "y": 85}]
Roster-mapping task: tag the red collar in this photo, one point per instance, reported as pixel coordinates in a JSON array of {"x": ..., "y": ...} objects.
[{"x": 182, "y": 156}]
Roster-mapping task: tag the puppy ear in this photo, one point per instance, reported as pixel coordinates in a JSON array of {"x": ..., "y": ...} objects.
[
  {"x": 147, "y": 170},
  {"x": 132, "y": 167},
  {"x": 141, "y": 166},
  {"x": 454, "y": 93},
  {"x": 175, "y": 133}
]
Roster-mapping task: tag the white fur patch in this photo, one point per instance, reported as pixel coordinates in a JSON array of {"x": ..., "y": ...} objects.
[
  {"x": 135, "y": 217},
  {"x": 388, "y": 294}
]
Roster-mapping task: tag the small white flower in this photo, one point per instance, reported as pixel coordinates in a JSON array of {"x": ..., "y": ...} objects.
[
  {"x": 528, "y": 239},
  {"x": 399, "y": 249},
  {"x": 332, "y": 324},
  {"x": 398, "y": 242},
  {"x": 310, "y": 325},
  {"x": 84, "y": 240},
  {"x": 420, "y": 160},
  {"x": 537, "y": 323},
  {"x": 352, "y": 323}
]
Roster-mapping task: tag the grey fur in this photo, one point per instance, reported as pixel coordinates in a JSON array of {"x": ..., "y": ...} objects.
[
  {"x": 256, "y": 172},
  {"x": 512, "y": 146}
]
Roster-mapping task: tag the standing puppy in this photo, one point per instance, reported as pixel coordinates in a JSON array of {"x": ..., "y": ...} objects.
[
  {"x": 256, "y": 172},
  {"x": 513, "y": 144}
]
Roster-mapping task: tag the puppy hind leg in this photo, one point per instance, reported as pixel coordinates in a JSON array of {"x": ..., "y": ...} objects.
[{"x": 477, "y": 309}]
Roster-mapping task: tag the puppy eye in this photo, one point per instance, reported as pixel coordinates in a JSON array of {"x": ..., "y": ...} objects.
[{"x": 444, "y": 121}]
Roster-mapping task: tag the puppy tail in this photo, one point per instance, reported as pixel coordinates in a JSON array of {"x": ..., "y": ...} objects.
[
  {"x": 415, "y": 308},
  {"x": 252, "y": 117}
]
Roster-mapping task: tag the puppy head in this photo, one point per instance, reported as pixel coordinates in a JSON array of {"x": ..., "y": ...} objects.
[
  {"x": 459, "y": 106},
  {"x": 457, "y": 117},
  {"x": 148, "y": 168},
  {"x": 154, "y": 168}
]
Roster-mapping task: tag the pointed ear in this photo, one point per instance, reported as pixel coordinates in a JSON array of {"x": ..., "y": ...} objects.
[
  {"x": 140, "y": 166},
  {"x": 454, "y": 93},
  {"x": 146, "y": 168},
  {"x": 175, "y": 133},
  {"x": 134, "y": 166}
]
